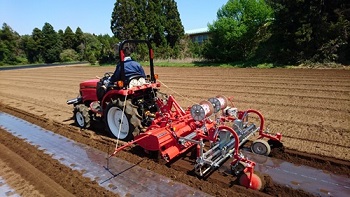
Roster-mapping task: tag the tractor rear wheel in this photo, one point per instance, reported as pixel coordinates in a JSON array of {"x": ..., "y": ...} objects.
[
  {"x": 128, "y": 122},
  {"x": 82, "y": 116}
]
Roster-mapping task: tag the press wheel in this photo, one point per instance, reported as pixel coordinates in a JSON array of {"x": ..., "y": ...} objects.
[{"x": 261, "y": 147}]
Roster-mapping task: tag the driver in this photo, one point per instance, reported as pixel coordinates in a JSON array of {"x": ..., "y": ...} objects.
[{"x": 131, "y": 68}]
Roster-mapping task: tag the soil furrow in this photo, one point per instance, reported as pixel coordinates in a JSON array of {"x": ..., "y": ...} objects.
[
  {"x": 310, "y": 107},
  {"x": 216, "y": 185},
  {"x": 261, "y": 91},
  {"x": 267, "y": 86}
]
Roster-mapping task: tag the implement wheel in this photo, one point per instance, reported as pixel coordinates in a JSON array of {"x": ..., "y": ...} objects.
[
  {"x": 256, "y": 182},
  {"x": 238, "y": 168},
  {"x": 81, "y": 116},
  {"x": 261, "y": 147},
  {"x": 129, "y": 122}
]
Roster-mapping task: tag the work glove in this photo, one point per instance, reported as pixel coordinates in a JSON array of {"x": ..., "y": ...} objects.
[{"x": 106, "y": 82}]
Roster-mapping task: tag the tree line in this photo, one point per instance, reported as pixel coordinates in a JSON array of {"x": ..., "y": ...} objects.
[
  {"x": 253, "y": 31},
  {"x": 48, "y": 46},
  {"x": 281, "y": 32}
]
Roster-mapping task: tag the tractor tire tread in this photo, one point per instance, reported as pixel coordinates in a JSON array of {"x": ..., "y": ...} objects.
[
  {"x": 85, "y": 112},
  {"x": 130, "y": 113}
]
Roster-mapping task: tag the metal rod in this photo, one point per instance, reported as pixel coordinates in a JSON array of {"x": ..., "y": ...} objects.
[
  {"x": 188, "y": 137},
  {"x": 211, "y": 150},
  {"x": 128, "y": 144},
  {"x": 247, "y": 137},
  {"x": 246, "y": 131},
  {"x": 213, "y": 155}
]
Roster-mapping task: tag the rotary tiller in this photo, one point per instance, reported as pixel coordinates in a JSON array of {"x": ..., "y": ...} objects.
[{"x": 214, "y": 129}]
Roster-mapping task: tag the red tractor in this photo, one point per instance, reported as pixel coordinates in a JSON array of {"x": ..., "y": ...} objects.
[
  {"x": 134, "y": 110},
  {"x": 132, "y": 100}
]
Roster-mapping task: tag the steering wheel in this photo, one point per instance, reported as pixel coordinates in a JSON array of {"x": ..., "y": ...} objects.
[{"x": 107, "y": 75}]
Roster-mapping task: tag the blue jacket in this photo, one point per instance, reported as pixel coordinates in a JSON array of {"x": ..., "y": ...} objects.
[{"x": 131, "y": 68}]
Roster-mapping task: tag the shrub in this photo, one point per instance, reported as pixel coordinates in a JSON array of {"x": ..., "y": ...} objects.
[
  {"x": 91, "y": 58},
  {"x": 69, "y": 55}
]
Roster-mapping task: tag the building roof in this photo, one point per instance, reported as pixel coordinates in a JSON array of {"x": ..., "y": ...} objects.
[{"x": 197, "y": 31}]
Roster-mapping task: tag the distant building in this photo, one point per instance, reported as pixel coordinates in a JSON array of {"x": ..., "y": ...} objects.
[{"x": 198, "y": 35}]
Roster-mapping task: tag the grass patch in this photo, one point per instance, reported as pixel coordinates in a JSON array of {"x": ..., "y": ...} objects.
[{"x": 265, "y": 65}]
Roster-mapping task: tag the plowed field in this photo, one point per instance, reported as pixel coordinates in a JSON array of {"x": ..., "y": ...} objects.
[{"x": 311, "y": 108}]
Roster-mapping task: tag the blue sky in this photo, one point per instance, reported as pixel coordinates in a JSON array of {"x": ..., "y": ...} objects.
[{"x": 92, "y": 16}]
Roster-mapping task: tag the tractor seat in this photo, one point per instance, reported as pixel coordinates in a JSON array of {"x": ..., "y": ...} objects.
[{"x": 136, "y": 81}]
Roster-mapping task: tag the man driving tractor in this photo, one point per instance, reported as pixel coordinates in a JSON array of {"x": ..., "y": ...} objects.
[{"x": 131, "y": 68}]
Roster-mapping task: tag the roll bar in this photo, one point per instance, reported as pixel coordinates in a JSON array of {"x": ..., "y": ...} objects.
[{"x": 121, "y": 56}]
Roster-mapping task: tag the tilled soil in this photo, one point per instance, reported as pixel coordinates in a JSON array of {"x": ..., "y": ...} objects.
[
  {"x": 311, "y": 108},
  {"x": 217, "y": 184},
  {"x": 32, "y": 173}
]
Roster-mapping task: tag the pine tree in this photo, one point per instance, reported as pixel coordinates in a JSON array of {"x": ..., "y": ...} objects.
[
  {"x": 38, "y": 36},
  {"x": 173, "y": 26},
  {"x": 140, "y": 18},
  {"x": 79, "y": 43},
  {"x": 68, "y": 38},
  {"x": 122, "y": 24},
  {"x": 52, "y": 46},
  {"x": 32, "y": 47},
  {"x": 155, "y": 20},
  {"x": 60, "y": 35}
]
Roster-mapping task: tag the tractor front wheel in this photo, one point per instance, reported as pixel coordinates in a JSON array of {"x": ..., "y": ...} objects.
[
  {"x": 123, "y": 125},
  {"x": 82, "y": 116}
]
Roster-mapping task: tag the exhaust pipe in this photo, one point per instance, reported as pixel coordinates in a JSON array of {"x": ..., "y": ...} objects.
[{"x": 74, "y": 101}]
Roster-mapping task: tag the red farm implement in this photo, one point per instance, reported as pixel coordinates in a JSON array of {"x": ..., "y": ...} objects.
[{"x": 140, "y": 114}]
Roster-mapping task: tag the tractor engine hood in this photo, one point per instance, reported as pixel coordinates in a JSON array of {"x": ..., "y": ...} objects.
[{"x": 92, "y": 83}]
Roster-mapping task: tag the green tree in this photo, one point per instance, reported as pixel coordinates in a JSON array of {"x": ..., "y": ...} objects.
[
  {"x": 37, "y": 35},
  {"x": 314, "y": 30},
  {"x": 108, "y": 49},
  {"x": 37, "y": 46},
  {"x": 174, "y": 30},
  {"x": 140, "y": 18},
  {"x": 236, "y": 33},
  {"x": 9, "y": 46},
  {"x": 93, "y": 47},
  {"x": 123, "y": 20},
  {"x": 155, "y": 20},
  {"x": 68, "y": 38},
  {"x": 52, "y": 46},
  {"x": 30, "y": 48},
  {"x": 155, "y": 23},
  {"x": 69, "y": 55},
  {"x": 79, "y": 43},
  {"x": 91, "y": 58},
  {"x": 60, "y": 34}
]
